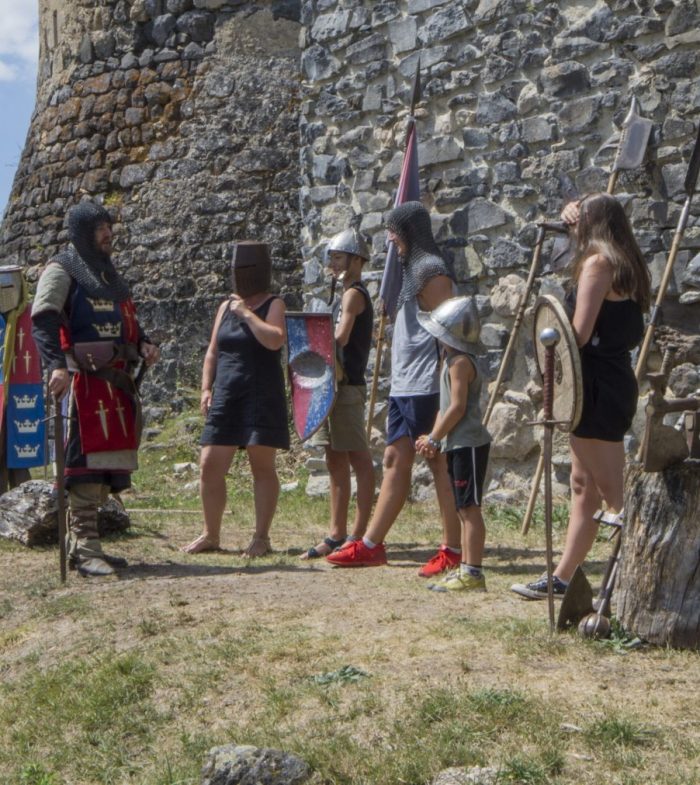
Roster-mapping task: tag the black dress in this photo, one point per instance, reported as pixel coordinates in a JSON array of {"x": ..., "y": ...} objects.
[
  {"x": 248, "y": 405},
  {"x": 609, "y": 385}
]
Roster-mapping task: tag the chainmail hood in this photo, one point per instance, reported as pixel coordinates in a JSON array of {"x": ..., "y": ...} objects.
[
  {"x": 88, "y": 266},
  {"x": 423, "y": 261}
]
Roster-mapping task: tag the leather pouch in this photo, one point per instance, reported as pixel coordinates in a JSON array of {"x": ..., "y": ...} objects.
[{"x": 95, "y": 355}]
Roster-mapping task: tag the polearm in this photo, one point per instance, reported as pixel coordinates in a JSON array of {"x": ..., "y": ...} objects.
[
  {"x": 631, "y": 147},
  {"x": 689, "y": 186},
  {"x": 402, "y": 194},
  {"x": 542, "y": 228}
]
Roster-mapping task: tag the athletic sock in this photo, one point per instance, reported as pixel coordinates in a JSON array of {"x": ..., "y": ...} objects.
[
  {"x": 369, "y": 543},
  {"x": 470, "y": 569},
  {"x": 453, "y": 550}
]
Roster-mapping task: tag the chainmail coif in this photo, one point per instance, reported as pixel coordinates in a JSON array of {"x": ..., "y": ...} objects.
[
  {"x": 423, "y": 261},
  {"x": 87, "y": 265}
]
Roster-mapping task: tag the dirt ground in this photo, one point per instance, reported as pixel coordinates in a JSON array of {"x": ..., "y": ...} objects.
[{"x": 243, "y": 637}]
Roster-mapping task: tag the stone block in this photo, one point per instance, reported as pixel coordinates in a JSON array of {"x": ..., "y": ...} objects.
[
  {"x": 318, "y": 63},
  {"x": 494, "y": 108},
  {"x": 328, "y": 27},
  {"x": 384, "y": 11},
  {"x": 178, "y": 6},
  {"x": 439, "y": 149},
  {"x": 135, "y": 174},
  {"x": 536, "y": 129},
  {"x": 418, "y": 6},
  {"x": 199, "y": 25},
  {"x": 162, "y": 27},
  {"x": 565, "y": 79},
  {"x": 239, "y": 763},
  {"x": 507, "y": 294},
  {"x": 367, "y": 50},
  {"x": 512, "y": 437},
  {"x": 443, "y": 24},
  {"x": 210, "y": 5},
  {"x": 402, "y": 34},
  {"x": 576, "y": 116}
]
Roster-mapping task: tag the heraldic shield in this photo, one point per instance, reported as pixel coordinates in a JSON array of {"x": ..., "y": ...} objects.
[{"x": 311, "y": 354}]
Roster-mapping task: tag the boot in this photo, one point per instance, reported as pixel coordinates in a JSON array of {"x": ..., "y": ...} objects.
[{"x": 93, "y": 567}]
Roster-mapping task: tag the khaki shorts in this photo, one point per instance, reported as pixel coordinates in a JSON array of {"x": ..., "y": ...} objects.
[{"x": 345, "y": 429}]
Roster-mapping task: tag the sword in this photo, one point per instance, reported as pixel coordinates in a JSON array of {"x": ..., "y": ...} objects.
[
  {"x": 689, "y": 185},
  {"x": 59, "y": 449}
]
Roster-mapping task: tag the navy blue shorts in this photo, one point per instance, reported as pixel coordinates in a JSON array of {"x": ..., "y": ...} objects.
[
  {"x": 411, "y": 415},
  {"x": 467, "y": 469}
]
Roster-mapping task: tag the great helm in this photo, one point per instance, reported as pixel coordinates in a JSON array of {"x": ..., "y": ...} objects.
[
  {"x": 10, "y": 288},
  {"x": 251, "y": 268},
  {"x": 348, "y": 241},
  {"x": 454, "y": 322}
]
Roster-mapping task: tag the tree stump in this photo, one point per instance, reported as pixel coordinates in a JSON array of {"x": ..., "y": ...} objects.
[{"x": 658, "y": 589}]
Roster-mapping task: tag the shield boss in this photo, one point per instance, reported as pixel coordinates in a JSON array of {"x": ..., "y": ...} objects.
[{"x": 568, "y": 386}]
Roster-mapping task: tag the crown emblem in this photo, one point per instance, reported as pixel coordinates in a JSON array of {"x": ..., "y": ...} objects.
[
  {"x": 101, "y": 306},
  {"x": 25, "y": 401},
  {"x": 109, "y": 329},
  {"x": 28, "y": 426},
  {"x": 27, "y": 451}
]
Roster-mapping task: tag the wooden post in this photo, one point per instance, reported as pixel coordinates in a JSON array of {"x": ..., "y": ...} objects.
[{"x": 658, "y": 594}]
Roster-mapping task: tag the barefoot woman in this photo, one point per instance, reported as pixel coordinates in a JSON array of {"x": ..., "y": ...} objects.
[
  {"x": 612, "y": 291},
  {"x": 243, "y": 397}
]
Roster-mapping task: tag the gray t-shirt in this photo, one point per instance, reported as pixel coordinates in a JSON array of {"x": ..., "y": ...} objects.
[
  {"x": 414, "y": 355},
  {"x": 468, "y": 432}
]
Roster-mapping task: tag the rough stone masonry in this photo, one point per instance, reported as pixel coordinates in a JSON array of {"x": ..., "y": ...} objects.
[{"x": 200, "y": 122}]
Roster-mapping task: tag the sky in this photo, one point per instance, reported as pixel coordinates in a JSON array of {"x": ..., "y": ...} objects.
[{"x": 19, "y": 49}]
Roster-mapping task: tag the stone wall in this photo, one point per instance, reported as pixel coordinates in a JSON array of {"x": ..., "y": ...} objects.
[
  {"x": 183, "y": 118},
  {"x": 518, "y": 97},
  {"x": 199, "y": 122}
]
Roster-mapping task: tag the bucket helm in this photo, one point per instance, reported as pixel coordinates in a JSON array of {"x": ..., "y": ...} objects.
[{"x": 251, "y": 268}]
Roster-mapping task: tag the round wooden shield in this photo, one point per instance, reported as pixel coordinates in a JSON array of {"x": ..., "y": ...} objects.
[{"x": 568, "y": 385}]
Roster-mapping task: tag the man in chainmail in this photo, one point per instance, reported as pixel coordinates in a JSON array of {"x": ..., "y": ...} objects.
[
  {"x": 84, "y": 323},
  {"x": 414, "y": 395}
]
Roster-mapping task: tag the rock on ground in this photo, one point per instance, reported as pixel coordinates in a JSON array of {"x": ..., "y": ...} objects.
[
  {"x": 247, "y": 765},
  {"x": 29, "y": 514}
]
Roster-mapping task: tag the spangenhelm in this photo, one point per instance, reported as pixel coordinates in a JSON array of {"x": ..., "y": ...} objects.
[
  {"x": 348, "y": 241},
  {"x": 251, "y": 268},
  {"x": 10, "y": 288},
  {"x": 454, "y": 322}
]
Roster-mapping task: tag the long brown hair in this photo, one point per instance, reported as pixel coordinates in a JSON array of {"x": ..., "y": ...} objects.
[{"x": 603, "y": 228}]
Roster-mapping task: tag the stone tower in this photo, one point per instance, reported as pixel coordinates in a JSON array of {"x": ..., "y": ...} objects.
[{"x": 182, "y": 117}]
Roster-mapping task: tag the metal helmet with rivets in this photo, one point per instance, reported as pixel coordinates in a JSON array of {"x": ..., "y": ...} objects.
[
  {"x": 455, "y": 323},
  {"x": 348, "y": 241}
]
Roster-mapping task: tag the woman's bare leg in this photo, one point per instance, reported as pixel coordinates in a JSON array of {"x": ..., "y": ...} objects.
[
  {"x": 266, "y": 489},
  {"x": 597, "y": 473},
  {"x": 214, "y": 463}
]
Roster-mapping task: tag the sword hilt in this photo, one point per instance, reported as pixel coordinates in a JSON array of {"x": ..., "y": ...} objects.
[{"x": 549, "y": 338}]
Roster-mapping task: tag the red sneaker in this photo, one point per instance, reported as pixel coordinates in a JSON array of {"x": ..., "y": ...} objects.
[
  {"x": 444, "y": 560},
  {"x": 357, "y": 554}
]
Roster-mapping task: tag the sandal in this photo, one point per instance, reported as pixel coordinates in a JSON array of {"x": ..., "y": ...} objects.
[
  {"x": 258, "y": 546},
  {"x": 314, "y": 553}
]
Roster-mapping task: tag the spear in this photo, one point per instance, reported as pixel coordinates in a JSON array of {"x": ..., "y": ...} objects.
[
  {"x": 408, "y": 189},
  {"x": 691, "y": 180},
  {"x": 631, "y": 146}
]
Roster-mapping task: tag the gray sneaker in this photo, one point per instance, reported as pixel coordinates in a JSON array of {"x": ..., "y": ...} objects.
[{"x": 537, "y": 590}]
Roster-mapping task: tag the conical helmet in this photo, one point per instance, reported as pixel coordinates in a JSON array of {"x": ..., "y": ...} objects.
[
  {"x": 349, "y": 241},
  {"x": 454, "y": 322}
]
